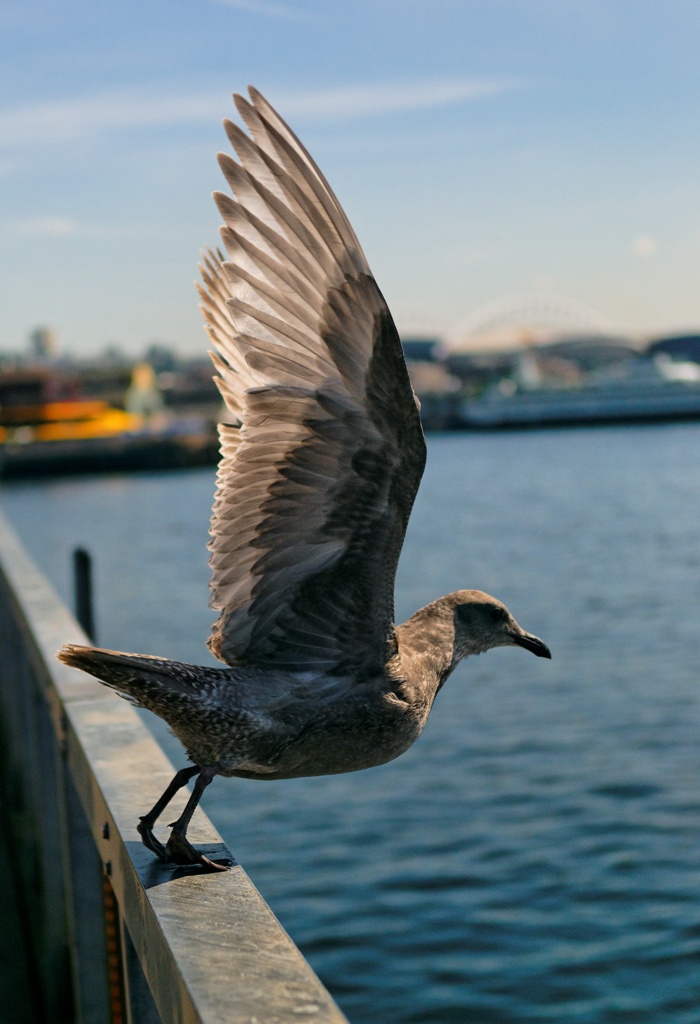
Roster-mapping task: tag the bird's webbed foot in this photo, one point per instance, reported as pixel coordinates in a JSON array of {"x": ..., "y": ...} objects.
[
  {"x": 145, "y": 830},
  {"x": 179, "y": 850},
  {"x": 147, "y": 821}
]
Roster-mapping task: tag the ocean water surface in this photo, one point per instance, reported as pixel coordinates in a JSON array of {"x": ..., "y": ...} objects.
[{"x": 536, "y": 855}]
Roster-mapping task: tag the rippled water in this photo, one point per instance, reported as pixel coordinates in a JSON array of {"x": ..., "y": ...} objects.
[{"x": 536, "y": 855}]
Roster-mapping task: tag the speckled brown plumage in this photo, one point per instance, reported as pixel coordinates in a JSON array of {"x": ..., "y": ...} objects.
[{"x": 320, "y": 463}]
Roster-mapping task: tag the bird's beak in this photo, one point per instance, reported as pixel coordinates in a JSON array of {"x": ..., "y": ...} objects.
[{"x": 532, "y": 643}]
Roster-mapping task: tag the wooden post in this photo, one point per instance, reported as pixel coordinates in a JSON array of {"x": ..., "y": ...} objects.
[{"x": 82, "y": 580}]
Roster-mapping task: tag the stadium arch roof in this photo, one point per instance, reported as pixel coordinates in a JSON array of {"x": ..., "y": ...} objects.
[{"x": 525, "y": 319}]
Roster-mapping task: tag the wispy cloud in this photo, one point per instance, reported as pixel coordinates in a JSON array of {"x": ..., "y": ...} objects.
[
  {"x": 54, "y": 227},
  {"x": 388, "y": 98},
  {"x": 58, "y": 227},
  {"x": 268, "y": 9},
  {"x": 66, "y": 120},
  {"x": 644, "y": 246}
]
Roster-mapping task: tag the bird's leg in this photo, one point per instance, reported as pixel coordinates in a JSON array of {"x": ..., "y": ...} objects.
[
  {"x": 147, "y": 821},
  {"x": 178, "y": 848}
]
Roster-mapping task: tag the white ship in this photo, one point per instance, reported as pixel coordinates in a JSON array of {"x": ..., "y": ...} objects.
[{"x": 651, "y": 389}]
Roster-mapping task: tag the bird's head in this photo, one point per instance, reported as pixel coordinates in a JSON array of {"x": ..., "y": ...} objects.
[{"x": 482, "y": 622}]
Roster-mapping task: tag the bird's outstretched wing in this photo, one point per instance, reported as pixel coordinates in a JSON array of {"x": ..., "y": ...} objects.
[{"x": 320, "y": 468}]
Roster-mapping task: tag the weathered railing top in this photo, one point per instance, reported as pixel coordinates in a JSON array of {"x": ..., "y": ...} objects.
[{"x": 209, "y": 946}]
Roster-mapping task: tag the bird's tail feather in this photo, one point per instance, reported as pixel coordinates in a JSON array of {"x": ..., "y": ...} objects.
[{"x": 134, "y": 676}]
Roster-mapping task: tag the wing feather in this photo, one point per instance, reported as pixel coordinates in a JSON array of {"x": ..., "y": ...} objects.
[
  {"x": 294, "y": 189},
  {"x": 320, "y": 467}
]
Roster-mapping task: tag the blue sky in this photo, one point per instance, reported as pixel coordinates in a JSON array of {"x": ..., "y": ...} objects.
[{"x": 481, "y": 148}]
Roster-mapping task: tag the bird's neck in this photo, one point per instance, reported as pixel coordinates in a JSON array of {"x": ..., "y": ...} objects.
[{"x": 426, "y": 649}]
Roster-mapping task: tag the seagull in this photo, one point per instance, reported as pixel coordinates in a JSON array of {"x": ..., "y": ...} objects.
[{"x": 321, "y": 458}]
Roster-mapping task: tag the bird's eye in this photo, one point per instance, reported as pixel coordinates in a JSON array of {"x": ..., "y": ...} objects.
[{"x": 497, "y": 614}]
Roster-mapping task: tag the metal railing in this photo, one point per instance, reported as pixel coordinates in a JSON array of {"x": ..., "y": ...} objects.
[{"x": 111, "y": 934}]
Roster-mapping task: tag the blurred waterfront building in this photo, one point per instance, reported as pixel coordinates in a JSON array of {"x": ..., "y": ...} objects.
[{"x": 42, "y": 343}]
